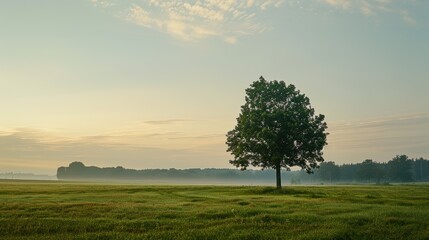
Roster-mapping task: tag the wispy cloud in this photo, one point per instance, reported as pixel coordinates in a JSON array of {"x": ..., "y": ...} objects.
[
  {"x": 229, "y": 20},
  {"x": 373, "y": 8},
  {"x": 168, "y": 121},
  {"x": 339, "y": 3},
  {"x": 102, "y": 3},
  {"x": 194, "y": 20},
  {"x": 147, "y": 144},
  {"x": 180, "y": 143},
  {"x": 383, "y": 137},
  {"x": 406, "y": 16},
  {"x": 206, "y": 136}
]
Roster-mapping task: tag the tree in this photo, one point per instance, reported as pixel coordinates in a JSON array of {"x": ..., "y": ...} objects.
[
  {"x": 277, "y": 128},
  {"x": 369, "y": 170},
  {"x": 328, "y": 171},
  {"x": 420, "y": 169},
  {"x": 400, "y": 169}
]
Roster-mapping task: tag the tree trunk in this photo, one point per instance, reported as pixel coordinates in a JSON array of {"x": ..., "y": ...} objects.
[{"x": 278, "y": 177}]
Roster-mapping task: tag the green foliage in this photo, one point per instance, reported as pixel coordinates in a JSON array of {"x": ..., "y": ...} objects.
[
  {"x": 56, "y": 210},
  {"x": 369, "y": 171},
  {"x": 277, "y": 128},
  {"x": 400, "y": 169},
  {"x": 328, "y": 171}
]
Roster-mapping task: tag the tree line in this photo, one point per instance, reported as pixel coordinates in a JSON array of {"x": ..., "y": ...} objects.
[{"x": 400, "y": 169}]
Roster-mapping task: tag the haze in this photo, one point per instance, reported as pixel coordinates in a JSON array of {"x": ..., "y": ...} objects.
[{"x": 157, "y": 84}]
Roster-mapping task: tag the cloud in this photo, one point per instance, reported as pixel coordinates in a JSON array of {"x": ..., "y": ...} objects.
[
  {"x": 339, "y": 3},
  {"x": 206, "y": 136},
  {"x": 141, "y": 17},
  {"x": 168, "y": 121},
  {"x": 268, "y": 3},
  {"x": 382, "y": 138},
  {"x": 366, "y": 9},
  {"x": 180, "y": 143},
  {"x": 373, "y": 8},
  {"x": 195, "y": 20},
  {"x": 102, "y": 3},
  {"x": 149, "y": 144},
  {"x": 408, "y": 18},
  {"x": 228, "y": 20}
]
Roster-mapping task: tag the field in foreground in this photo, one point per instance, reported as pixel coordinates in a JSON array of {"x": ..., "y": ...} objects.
[{"x": 55, "y": 210}]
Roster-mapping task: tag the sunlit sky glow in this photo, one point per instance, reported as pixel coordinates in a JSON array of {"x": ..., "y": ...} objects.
[{"x": 157, "y": 84}]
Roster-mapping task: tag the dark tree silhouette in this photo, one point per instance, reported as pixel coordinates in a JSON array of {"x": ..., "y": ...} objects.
[
  {"x": 328, "y": 171},
  {"x": 366, "y": 171},
  {"x": 421, "y": 170},
  {"x": 369, "y": 171},
  {"x": 277, "y": 128},
  {"x": 77, "y": 165},
  {"x": 400, "y": 169}
]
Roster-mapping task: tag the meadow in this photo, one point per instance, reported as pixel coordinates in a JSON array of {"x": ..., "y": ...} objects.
[{"x": 66, "y": 210}]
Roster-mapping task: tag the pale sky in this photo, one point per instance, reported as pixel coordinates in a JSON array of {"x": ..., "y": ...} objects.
[{"x": 158, "y": 84}]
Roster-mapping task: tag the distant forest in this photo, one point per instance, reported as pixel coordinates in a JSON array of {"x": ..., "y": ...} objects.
[{"x": 400, "y": 169}]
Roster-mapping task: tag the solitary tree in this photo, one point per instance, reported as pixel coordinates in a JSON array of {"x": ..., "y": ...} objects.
[{"x": 277, "y": 128}]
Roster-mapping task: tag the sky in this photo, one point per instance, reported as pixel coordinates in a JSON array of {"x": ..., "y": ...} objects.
[{"x": 158, "y": 84}]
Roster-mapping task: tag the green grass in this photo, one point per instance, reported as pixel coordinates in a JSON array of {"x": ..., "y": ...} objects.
[{"x": 55, "y": 210}]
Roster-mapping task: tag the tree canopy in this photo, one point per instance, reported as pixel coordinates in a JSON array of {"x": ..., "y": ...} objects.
[
  {"x": 400, "y": 169},
  {"x": 329, "y": 171},
  {"x": 277, "y": 128},
  {"x": 369, "y": 170}
]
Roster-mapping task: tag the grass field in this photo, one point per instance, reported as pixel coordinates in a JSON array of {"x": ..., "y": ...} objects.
[{"x": 55, "y": 210}]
